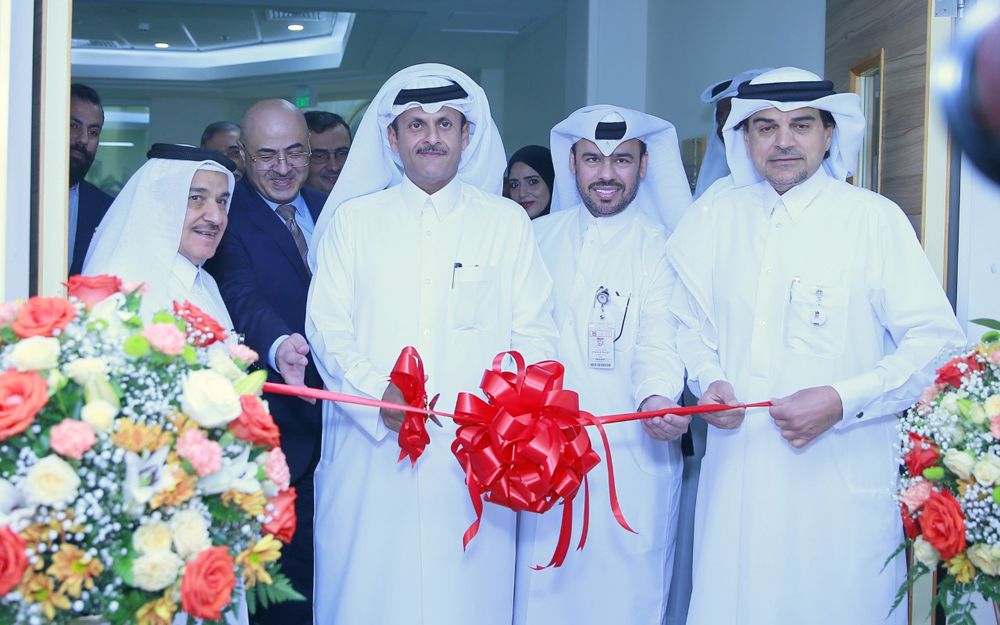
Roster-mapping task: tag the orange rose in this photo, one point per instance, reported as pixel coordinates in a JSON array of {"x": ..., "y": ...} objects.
[
  {"x": 208, "y": 583},
  {"x": 22, "y": 395},
  {"x": 41, "y": 315},
  {"x": 283, "y": 520},
  {"x": 943, "y": 524},
  {"x": 92, "y": 289},
  {"x": 13, "y": 562},
  {"x": 255, "y": 425},
  {"x": 202, "y": 330}
]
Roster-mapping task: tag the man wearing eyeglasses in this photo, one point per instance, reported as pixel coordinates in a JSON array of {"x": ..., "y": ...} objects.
[
  {"x": 620, "y": 184},
  {"x": 263, "y": 276},
  {"x": 330, "y": 138}
]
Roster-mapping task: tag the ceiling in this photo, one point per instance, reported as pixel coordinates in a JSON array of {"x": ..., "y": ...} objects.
[{"x": 381, "y": 37}]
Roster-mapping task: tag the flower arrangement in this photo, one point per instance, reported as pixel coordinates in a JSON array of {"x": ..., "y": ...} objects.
[
  {"x": 949, "y": 495},
  {"x": 140, "y": 472}
]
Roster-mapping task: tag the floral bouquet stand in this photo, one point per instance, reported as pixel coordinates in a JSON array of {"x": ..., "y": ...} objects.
[
  {"x": 950, "y": 491},
  {"x": 140, "y": 473}
]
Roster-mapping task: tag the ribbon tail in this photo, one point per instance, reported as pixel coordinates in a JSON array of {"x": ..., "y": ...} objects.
[
  {"x": 613, "y": 492},
  {"x": 565, "y": 533},
  {"x": 476, "y": 494},
  {"x": 586, "y": 513}
]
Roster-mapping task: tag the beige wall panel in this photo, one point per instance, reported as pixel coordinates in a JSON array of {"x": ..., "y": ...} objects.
[{"x": 858, "y": 28}]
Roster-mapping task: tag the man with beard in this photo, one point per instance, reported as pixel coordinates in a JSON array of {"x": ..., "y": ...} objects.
[
  {"x": 417, "y": 248},
  {"x": 87, "y": 203},
  {"x": 615, "y": 170},
  {"x": 330, "y": 138},
  {"x": 804, "y": 290},
  {"x": 262, "y": 273}
]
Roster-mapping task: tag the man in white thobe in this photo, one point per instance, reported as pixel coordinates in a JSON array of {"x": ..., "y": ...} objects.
[
  {"x": 612, "y": 286},
  {"x": 147, "y": 237},
  {"x": 801, "y": 289},
  {"x": 437, "y": 260}
]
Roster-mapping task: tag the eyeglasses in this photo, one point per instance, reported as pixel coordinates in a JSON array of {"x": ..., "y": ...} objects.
[
  {"x": 321, "y": 156},
  {"x": 266, "y": 162}
]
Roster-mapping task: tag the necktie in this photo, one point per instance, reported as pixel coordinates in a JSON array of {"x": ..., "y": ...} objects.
[{"x": 287, "y": 212}]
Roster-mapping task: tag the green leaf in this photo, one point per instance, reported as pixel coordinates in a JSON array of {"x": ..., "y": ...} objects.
[
  {"x": 123, "y": 567},
  {"x": 267, "y": 594},
  {"x": 992, "y": 324},
  {"x": 221, "y": 512},
  {"x": 8, "y": 335},
  {"x": 964, "y": 405}
]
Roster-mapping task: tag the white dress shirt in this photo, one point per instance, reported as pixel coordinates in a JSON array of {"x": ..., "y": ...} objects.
[
  {"x": 824, "y": 285},
  {"x": 74, "y": 213},
  {"x": 456, "y": 275},
  {"x": 194, "y": 284},
  {"x": 619, "y": 577}
]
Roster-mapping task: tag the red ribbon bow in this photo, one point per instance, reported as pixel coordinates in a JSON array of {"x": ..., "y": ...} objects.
[
  {"x": 408, "y": 375},
  {"x": 528, "y": 448}
]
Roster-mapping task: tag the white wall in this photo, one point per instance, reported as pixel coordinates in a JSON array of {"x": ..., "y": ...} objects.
[
  {"x": 535, "y": 85},
  {"x": 694, "y": 44},
  {"x": 14, "y": 232}
]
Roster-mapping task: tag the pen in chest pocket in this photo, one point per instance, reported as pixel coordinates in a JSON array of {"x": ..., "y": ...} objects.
[{"x": 453, "y": 270}]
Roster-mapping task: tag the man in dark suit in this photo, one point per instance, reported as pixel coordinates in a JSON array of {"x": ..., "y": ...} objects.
[
  {"x": 264, "y": 279},
  {"x": 87, "y": 203}
]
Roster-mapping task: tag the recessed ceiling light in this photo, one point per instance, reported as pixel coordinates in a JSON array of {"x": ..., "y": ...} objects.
[
  {"x": 161, "y": 44},
  {"x": 296, "y": 27}
]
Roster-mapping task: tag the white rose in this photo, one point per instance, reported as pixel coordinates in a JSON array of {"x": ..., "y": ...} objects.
[
  {"x": 152, "y": 537},
  {"x": 190, "y": 533},
  {"x": 222, "y": 363},
  {"x": 209, "y": 398},
  {"x": 993, "y": 405},
  {"x": 35, "y": 353},
  {"x": 959, "y": 462},
  {"x": 99, "y": 414},
  {"x": 982, "y": 556},
  {"x": 987, "y": 470},
  {"x": 156, "y": 570},
  {"x": 925, "y": 553},
  {"x": 949, "y": 403},
  {"x": 83, "y": 369},
  {"x": 51, "y": 482},
  {"x": 977, "y": 414}
]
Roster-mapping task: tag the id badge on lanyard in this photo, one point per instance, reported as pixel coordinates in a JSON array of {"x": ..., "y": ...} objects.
[{"x": 601, "y": 336}]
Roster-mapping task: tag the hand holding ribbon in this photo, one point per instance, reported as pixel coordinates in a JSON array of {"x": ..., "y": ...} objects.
[{"x": 408, "y": 375}]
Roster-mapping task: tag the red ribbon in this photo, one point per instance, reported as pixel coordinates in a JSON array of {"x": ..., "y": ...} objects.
[
  {"x": 527, "y": 448},
  {"x": 408, "y": 375}
]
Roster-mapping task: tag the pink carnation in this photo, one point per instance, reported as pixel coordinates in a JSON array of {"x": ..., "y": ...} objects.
[
  {"x": 204, "y": 455},
  {"x": 9, "y": 312},
  {"x": 72, "y": 438},
  {"x": 276, "y": 468},
  {"x": 930, "y": 393},
  {"x": 995, "y": 426},
  {"x": 243, "y": 353},
  {"x": 166, "y": 338},
  {"x": 916, "y": 494},
  {"x": 995, "y": 357},
  {"x": 130, "y": 286}
]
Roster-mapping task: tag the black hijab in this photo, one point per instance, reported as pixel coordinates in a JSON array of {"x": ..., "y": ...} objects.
[{"x": 540, "y": 159}]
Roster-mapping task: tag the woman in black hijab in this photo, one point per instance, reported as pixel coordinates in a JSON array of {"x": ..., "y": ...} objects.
[{"x": 530, "y": 177}]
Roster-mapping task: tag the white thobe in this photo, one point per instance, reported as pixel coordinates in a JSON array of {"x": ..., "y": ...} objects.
[
  {"x": 618, "y": 577},
  {"x": 824, "y": 285},
  {"x": 458, "y": 276},
  {"x": 195, "y": 285}
]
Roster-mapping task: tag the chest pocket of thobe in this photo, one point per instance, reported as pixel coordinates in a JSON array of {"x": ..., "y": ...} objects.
[
  {"x": 815, "y": 321},
  {"x": 474, "y": 297}
]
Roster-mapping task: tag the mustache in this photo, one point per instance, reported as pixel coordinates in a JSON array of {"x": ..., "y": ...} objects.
[
  {"x": 779, "y": 153},
  {"x": 606, "y": 183},
  {"x": 207, "y": 227},
  {"x": 80, "y": 147},
  {"x": 432, "y": 149},
  {"x": 274, "y": 175}
]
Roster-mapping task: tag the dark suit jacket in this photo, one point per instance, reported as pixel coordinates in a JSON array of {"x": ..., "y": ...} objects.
[
  {"x": 93, "y": 204},
  {"x": 264, "y": 284}
]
